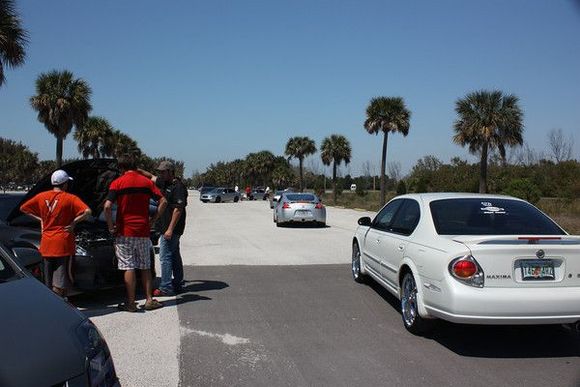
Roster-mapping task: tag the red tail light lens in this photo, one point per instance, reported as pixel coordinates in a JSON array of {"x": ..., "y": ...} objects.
[
  {"x": 464, "y": 269},
  {"x": 286, "y": 205},
  {"x": 319, "y": 206}
]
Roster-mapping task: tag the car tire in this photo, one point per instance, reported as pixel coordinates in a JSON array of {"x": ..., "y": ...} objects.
[
  {"x": 357, "y": 275},
  {"x": 236, "y": 199},
  {"x": 412, "y": 321},
  {"x": 218, "y": 199}
]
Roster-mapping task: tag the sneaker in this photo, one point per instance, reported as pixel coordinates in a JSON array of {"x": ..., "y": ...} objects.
[
  {"x": 162, "y": 293},
  {"x": 152, "y": 305}
]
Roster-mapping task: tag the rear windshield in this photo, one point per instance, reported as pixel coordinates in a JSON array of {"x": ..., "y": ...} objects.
[
  {"x": 301, "y": 198},
  {"x": 486, "y": 216}
]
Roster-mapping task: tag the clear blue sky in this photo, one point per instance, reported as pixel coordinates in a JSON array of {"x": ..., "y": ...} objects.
[{"x": 204, "y": 81}]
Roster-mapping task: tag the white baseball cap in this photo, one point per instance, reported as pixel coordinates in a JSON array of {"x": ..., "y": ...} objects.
[{"x": 59, "y": 177}]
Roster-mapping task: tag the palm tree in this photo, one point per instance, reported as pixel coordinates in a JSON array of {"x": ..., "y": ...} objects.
[
  {"x": 61, "y": 102},
  {"x": 488, "y": 120},
  {"x": 335, "y": 149},
  {"x": 13, "y": 38},
  {"x": 259, "y": 166},
  {"x": 95, "y": 138},
  {"x": 124, "y": 145},
  {"x": 387, "y": 114},
  {"x": 300, "y": 147}
]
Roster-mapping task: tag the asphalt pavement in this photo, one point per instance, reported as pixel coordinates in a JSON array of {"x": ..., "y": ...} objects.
[{"x": 277, "y": 306}]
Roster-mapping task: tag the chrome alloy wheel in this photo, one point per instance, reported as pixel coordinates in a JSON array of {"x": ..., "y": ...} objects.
[{"x": 409, "y": 300}]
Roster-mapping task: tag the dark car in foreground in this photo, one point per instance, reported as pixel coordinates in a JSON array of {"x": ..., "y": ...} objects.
[
  {"x": 95, "y": 263},
  {"x": 44, "y": 340}
]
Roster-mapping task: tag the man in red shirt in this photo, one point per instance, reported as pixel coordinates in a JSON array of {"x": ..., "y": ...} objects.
[
  {"x": 58, "y": 212},
  {"x": 132, "y": 192}
]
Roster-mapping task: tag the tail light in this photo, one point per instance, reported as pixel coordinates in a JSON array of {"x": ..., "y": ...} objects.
[
  {"x": 319, "y": 206},
  {"x": 466, "y": 270},
  {"x": 286, "y": 206}
]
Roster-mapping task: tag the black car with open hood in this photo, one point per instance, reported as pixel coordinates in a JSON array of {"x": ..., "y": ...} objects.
[{"x": 95, "y": 264}]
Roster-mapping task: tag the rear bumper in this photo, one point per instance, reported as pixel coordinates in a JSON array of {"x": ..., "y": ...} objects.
[
  {"x": 288, "y": 217},
  {"x": 495, "y": 306}
]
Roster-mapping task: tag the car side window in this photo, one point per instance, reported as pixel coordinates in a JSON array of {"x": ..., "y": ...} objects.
[
  {"x": 407, "y": 218},
  {"x": 384, "y": 218}
]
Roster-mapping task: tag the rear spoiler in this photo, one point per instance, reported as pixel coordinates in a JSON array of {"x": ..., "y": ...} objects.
[{"x": 519, "y": 240}]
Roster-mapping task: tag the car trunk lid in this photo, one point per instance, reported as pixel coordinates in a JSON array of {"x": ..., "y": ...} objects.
[
  {"x": 91, "y": 180},
  {"x": 526, "y": 261}
]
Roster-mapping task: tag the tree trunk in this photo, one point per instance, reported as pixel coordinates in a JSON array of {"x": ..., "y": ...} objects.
[
  {"x": 59, "y": 141},
  {"x": 383, "y": 165},
  {"x": 301, "y": 176},
  {"x": 334, "y": 182},
  {"x": 483, "y": 170}
]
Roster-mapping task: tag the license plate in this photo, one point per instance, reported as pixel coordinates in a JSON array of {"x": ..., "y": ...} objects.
[
  {"x": 303, "y": 213},
  {"x": 538, "y": 270}
]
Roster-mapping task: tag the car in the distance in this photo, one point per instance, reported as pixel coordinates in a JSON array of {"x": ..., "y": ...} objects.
[
  {"x": 220, "y": 195},
  {"x": 299, "y": 208},
  {"x": 470, "y": 258},
  {"x": 46, "y": 341}
]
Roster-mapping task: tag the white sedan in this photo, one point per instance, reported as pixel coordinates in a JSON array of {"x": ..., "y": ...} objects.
[{"x": 470, "y": 258}]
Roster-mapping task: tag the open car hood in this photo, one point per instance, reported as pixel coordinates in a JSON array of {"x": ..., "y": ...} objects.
[{"x": 91, "y": 181}]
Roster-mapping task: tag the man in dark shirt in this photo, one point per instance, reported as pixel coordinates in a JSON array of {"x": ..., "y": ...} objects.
[{"x": 171, "y": 225}]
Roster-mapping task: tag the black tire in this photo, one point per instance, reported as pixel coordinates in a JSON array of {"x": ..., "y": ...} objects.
[
  {"x": 321, "y": 224},
  {"x": 218, "y": 199},
  {"x": 236, "y": 199},
  {"x": 355, "y": 267},
  {"x": 278, "y": 224},
  {"x": 412, "y": 320}
]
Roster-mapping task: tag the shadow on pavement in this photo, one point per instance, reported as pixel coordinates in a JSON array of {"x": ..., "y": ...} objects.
[
  {"x": 104, "y": 302},
  {"x": 498, "y": 341},
  {"x": 303, "y": 225}
]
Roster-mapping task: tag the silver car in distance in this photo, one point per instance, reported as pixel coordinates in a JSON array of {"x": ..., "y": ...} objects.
[
  {"x": 299, "y": 208},
  {"x": 221, "y": 194},
  {"x": 470, "y": 258}
]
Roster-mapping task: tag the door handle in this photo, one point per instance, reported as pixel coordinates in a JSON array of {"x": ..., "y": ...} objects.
[
  {"x": 401, "y": 247},
  {"x": 378, "y": 241}
]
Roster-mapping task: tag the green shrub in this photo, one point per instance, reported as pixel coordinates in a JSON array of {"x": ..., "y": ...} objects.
[
  {"x": 401, "y": 188},
  {"x": 523, "y": 189}
]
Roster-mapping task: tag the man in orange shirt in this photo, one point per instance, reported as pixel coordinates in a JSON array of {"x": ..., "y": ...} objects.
[{"x": 58, "y": 212}]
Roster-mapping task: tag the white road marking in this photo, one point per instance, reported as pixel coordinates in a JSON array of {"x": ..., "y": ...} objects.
[{"x": 226, "y": 339}]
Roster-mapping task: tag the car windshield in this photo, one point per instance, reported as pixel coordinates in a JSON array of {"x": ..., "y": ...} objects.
[
  {"x": 485, "y": 216},
  {"x": 7, "y": 203},
  {"x": 6, "y": 271},
  {"x": 301, "y": 198}
]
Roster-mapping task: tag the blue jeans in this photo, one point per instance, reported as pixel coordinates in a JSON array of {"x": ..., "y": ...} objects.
[{"x": 171, "y": 264}]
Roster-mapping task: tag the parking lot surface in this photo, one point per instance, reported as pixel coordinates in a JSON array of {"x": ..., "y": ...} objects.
[{"x": 277, "y": 306}]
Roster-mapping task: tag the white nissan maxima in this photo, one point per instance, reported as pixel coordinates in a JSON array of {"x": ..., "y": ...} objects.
[{"x": 470, "y": 258}]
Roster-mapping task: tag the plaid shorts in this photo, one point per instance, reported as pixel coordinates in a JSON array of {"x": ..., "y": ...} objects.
[{"x": 133, "y": 253}]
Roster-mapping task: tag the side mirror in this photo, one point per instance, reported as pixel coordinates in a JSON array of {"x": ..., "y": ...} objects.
[{"x": 364, "y": 221}]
